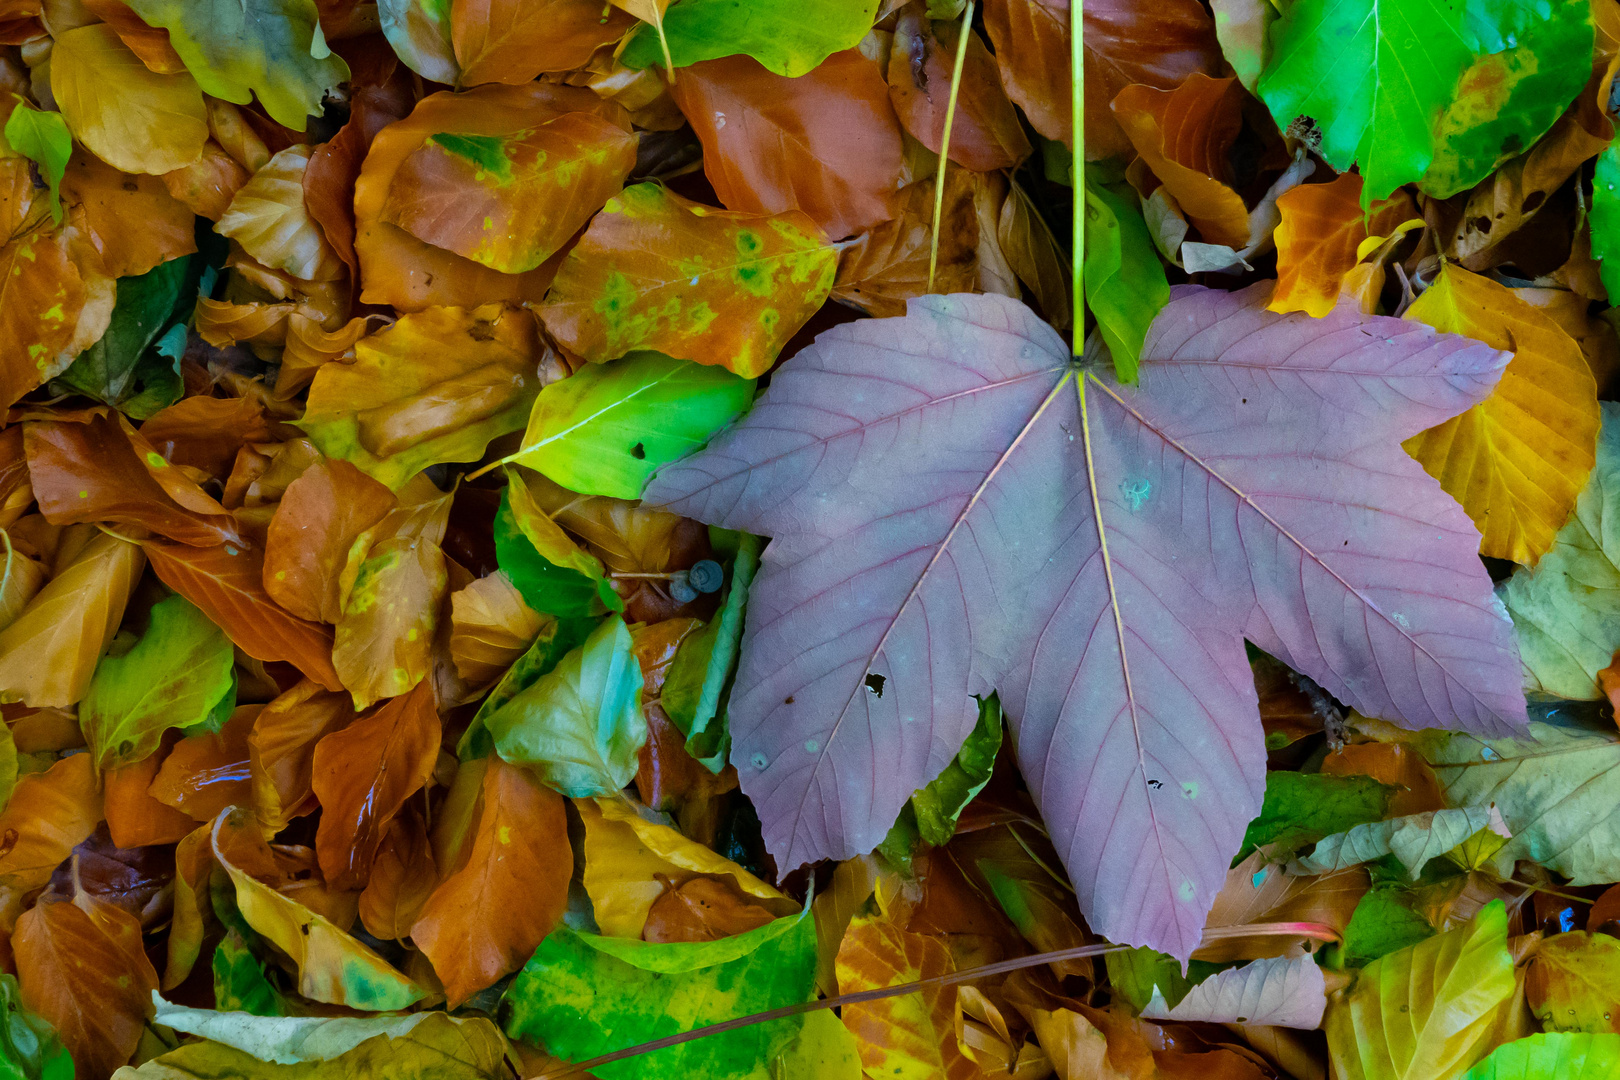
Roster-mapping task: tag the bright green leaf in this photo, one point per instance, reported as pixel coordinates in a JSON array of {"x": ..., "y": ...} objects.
[
  {"x": 638, "y": 991},
  {"x": 790, "y": 37},
  {"x": 1301, "y": 808},
  {"x": 579, "y": 726},
  {"x": 43, "y": 138},
  {"x": 29, "y": 1047},
  {"x": 1124, "y": 279},
  {"x": 697, "y": 683},
  {"x": 173, "y": 677},
  {"x": 556, "y": 640},
  {"x": 122, "y": 369},
  {"x": 553, "y": 574},
  {"x": 240, "y": 48},
  {"x": 240, "y": 984},
  {"x": 603, "y": 430},
  {"x": 940, "y": 803},
  {"x": 1384, "y": 922},
  {"x": 1552, "y": 1057},
  {"x": 1605, "y": 218}
]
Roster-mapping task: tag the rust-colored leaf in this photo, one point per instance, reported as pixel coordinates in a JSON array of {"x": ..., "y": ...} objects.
[
  {"x": 362, "y": 776},
  {"x": 205, "y": 773},
  {"x": 134, "y": 817},
  {"x": 206, "y": 433},
  {"x": 402, "y": 878},
  {"x": 334, "y": 166},
  {"x": 50, "y": 813},
  {"x": 512, "y": 41},
  {"x": 42, "y": 294},
  {"x": 281, "y": 749},
  {"x": 986, "y": 134},
  {"x": 704, "y": 908},
  {"x": 1417, "y": 789},
  {"x": 887, "y": 265},
  {"x": 110, "y": 200},
  {"x": 490, "y": 627},
  {"x": 1317, "y": 240},
  {"x": 320, "y": 516}
]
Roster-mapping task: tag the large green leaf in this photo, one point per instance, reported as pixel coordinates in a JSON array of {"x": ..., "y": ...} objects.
[
  {"x": 1556, "y": 789},
  {"x": 122, "y": 369},
  {"x": 1566, "y": 609},
  {"x": 1124, "y": 279},
  {"x": 790, "y": 37},
  {"x": 1384, "y": 922},
  {"x": 580, "y": 725},
  {"x": 638, "y": 991},
  {"x": 1427, "y": 1012},
  {"x": 240, "y": 48},
  {"x": 43, "y": 138},
  {"x": 1395, "y": 85},
  {"x": 604, "y": 430},
  {"x": 1301, "y": 808},
  {"x": 699, "y": 677},
  {"x": 176, "y": 675},
  {"x": 553, "y": 574},
  {"x": 1605, "y": 218},
  {"x": 29, "y": 1047},
  {"x": 1552, "y": 1057}
]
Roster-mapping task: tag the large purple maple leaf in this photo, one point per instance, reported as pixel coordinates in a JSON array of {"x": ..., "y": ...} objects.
[{"x": 956, "y": 507}]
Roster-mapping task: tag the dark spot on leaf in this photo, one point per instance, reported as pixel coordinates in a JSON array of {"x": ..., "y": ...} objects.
[
  {"x": 1155, "y": 783},
  {"x": 8, "y": 841},
  {"x": 1532, "y": 201},
  {"x": 130, "y": 185},
  {"x": 1245, "y": 401},
  {"x": 788, "y": 700},
  {"x": 303, "y": 928},
  {"x": 481, "y": 331},
  {"x": 639, "y": 452},
  {"x": 875, "y": 683}
]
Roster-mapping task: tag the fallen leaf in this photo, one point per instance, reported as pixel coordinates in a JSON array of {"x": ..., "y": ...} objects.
[
  {"x": 1184, "y": 136},
  {"x": 30, "y": 1042},
  {"x": 702, "y": 909},
  {"x": 49, "y": 814},
  {"x": 787, "y": 38},
  {"x": 1568, "y": 1057},
  {"x": 985, "y": 132},
  {"x": 109, "y": 200},
  {"x": 1319, "y": 240},
  {"x": 1413, "y": 840},
  {"x": 1517, "y": 460},
  {"x": 281, "y": 749},
  {"x": 1280, "y": 991},
  {"x": 490, "y": 627},
  {"x": 134, "y": 817},
  {"x": 1124, "y": 281},
  {"x": 419, "y": 33},
  {"x": 320, "y": 516},
  {"x": 42, "y": 136},
  {"x": 879, "y": 270},
  {"x": 403, "y": 876},
  {"x": 1573, "y": 982},
  {"x": 788, "y": 756},
  {"x": 1125, "y": 44},
  {"x": 43, "y": 299},
  {"x": 1259, "y": 894},
  {"x": 268, "y": 218},
  {"x": 512, "y": 41},
  {"x": 133, "y": 118},
  {"x": 208, "y": 772}
]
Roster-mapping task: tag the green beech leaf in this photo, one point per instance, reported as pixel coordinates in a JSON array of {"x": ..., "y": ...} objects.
[
  {"x": 237, "y": 49},
  {"x": 1384, "y": 922},
  {"x": 1302, "y": 808},
  {"x": 553, "y": 574},
  {"x": 790, "y": 37},
  {"x": 29, "y": 1047},
  {"x": 43, "y": 138},
  {"x": 699, "y": 677},
  {"x": 123, "y": 369},
  {"x": 1605, "y": 218},
  {"x": 638, "y": 991},
  {"x": 1124, "y": 279},
  {"x": 579, "y": 726},
  {"x": 1414, "y": 840},
  {"x": 175, "y": 676},
  {"x": 603, "y": 430},
  {"x": 557, "y": 638},
  {"x": 1552, "y": 1057},
  {"x": 940, "y": 803},
  {"x": 240, "y": 984}
]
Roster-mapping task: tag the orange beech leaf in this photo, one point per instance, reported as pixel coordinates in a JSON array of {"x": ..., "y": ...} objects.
[
  {"x": 49, "y": 652},
  {"x": 1259, "y": 893},
  {"x": 110, "y": 200},
  {"x": 887, "y": 265},
  {"x": 335, "y": 165},
  {"x": 704, "y": 908},
  {"x": 150, "y": 43},
  {"x": 281, "y": 749},
  {"x": 193, "y": 908},
  {"x": 827, "y": 143},
  {"x": 364, "y": 773},
  {"x": 986, "y": 134},
  {"x": 207, "y": 186},
  {"x": 393, "y": 586},
  {"x": 402, "y": 878},
  {"x": 82, "y": 966},
  {"x": 320, "y": 516},
  {"x": 16, "y": 491},
  {"x": 222, "y": 323},
  {"x": 42, "y": 294},
  {"x": 656, "y": 271},
  {"x": 1183, "y": 135},
  {"x": 50, "y": 813},
  {"x": 134, "y": 817},
  {"x": 1031, "y": 38},
  {"x": 309, "y": 346},
  {"x": 269, "y": 219},
  {"x": 1395, "y": 764},
  {"x": 104, "y": 470},
  {"x": 206, "y": 432},
  {"x": 226, "y": 582},
  {"x": 492, "y": 908},
  {"x": 510, "y": 202},
  {"x": 205, "y": 773},
  {"x": 490, "y": 627},
  {"x": 914, "y": 1035},
  {"x": 512, "y": 41},
  {"x": 1322, "y": 226},
  {"x": 395, "y": 267}
]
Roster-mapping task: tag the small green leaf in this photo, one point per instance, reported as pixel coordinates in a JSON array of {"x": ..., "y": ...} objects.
[
  {"x": 789, "y": 37},
  {"x": 125, "y": 368},
  {"x": 174, "y": 676},
  {"x": 1135, "y": 973},
  {"x": 638, "y": 991},
  {"x": 1552, "y": 1057},
  {"x": 43, "y": 138},
  {"x": 940, "y": 803},
  {"x": 1302, "y": 808},
  {"x": 557, "y": 639},
  {"x": 1606, "y": 218},
  {"x": 29, "y": 1047},
  {"x": 551, "y": 572},
  {"x": 1124, "y": 279},
  {"x": 240, "y": 984},
  {"x": 579, "y": 726},
  {"x": 603, "y": 430},
  {"x": 1384, "y": 922},
  {"x": 699, "y": 677}
]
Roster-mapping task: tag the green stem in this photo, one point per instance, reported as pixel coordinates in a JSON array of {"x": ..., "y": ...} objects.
[
  {"x": 1077, "y": 104},
  {"x": 945, "y": 139}
]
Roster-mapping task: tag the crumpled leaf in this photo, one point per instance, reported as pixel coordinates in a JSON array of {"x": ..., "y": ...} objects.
[
  {"x": 490, "y": 627},
  {"x": 281, "y": 749},
  {"x": 809, "y": 734},
  {"x": 176, "y": 675},
  {"x": 508, "y": 889},
  {"x": 51, "y": 308},
  {"x": 128, "y": 368},
  {"x": 1517, "y": 460},
  {"x": 656, "y": 271},
  {"x": 362, "y": 776},
  {"x": 1544, "y": 1057},
  {"x": 436, "y": 386},
  {"x": 550, "y": 571},
  {"x": 1427, "y": 1011},
  {"x": 1320, "y": 236},
  {"x": 512, "y": 41},
  {"x": 510, "y": 202},
  {"x": 1566, "y": 622},
  {"x": 268, "y": 218},
  {"x": 258, "y": 48},
  {"x": 826, "y": 143},
  {"x": 128, "y": 115},
  {"x": 641, "y": 991},
  {"x": 1125, "y": 43},
  {"x": 1184, "y": 136},
  {"x": 579, "y": 726},
  {"x": 1281, "y": 991},
  {"x": 1257, "y": 891},
  {"x": 1574, "y": 981},
  {"x": 788, "y": 38},
  {"x": 49, "y": 653},
  {"x": 1414, "y": 840},
  {"x": 50, "y": 813},
  {"x": 604, "y": 429}
]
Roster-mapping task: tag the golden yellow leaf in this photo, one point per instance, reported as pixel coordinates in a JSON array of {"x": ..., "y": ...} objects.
[
  {"x": 490, "y": 627},
  {"x": 126, "y": 114},
  {"x": 268, "y": 218},
  {"x": 1517, "y": 460}
]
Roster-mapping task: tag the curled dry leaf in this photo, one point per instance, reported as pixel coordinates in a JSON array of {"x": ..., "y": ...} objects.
[
  {"x": 281, "y": 749},
  {"x": 1319, "y": 240},
  {"x": 490, "y": 627},
  {"x": 1184, "y": 135},
  {"x": 268, "y": 218}
]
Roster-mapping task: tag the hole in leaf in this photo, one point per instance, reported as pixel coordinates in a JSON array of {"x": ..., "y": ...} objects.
[
  {"x": 1482, "y": 224},
  {"x": 875, "y": 683},
  {"x": 1532, "y": 201},
  {"x": 639, "y": 452}
]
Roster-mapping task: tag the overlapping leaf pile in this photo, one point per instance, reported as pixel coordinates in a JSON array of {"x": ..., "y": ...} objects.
[{"x": 455, "y": 623}]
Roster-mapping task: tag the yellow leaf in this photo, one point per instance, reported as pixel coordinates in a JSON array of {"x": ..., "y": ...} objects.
[
  {"x": 490, "y": 627},
  {"x": 1517, "y": 460},
  {"x": 126, "y": 114},
  {"x": 268, "y": 218}
]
